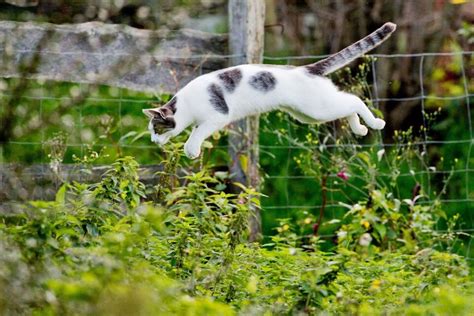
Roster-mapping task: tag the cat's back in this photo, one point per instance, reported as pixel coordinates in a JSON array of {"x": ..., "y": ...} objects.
[
  {"x": 252, "y": 88},
  {"x": 256, "y": 77},
  {"x": 278, "y": 78},
  {"x": 238, "y": 81}
]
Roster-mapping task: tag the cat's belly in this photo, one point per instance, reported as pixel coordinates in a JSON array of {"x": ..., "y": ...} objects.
[{"x": 248, "y": 107}]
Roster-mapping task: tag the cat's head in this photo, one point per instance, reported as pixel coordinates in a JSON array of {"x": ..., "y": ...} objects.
[{"x": 161, "y": 118}]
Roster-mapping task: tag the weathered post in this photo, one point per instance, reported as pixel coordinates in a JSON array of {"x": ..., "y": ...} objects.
[{"x": 246, "y": 35}]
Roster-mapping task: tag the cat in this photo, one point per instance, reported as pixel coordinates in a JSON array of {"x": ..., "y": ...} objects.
[{"x": 212, "y": 101}]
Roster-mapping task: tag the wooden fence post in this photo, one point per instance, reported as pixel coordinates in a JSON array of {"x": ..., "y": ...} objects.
[{"x": 246, "y": 35}]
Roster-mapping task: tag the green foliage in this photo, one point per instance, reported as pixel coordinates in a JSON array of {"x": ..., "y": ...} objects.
[
  {"x": 388, "y": 197},
  {"x": 101, "y": 249},
  {"x": 120, "y": 184},
  {"x": 104, "y": 248}
]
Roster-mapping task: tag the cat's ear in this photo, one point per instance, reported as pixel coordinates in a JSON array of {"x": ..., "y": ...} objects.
[{"x": 151, "y": 113}]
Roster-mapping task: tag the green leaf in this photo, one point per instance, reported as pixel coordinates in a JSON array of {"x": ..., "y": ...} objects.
[
  {"x": 92, "y": 230},
  {"x": 364, "y": 156},
  {"x": 61, "y": 195},
  {"x": 221, "y": 187},
  {"x": 207, "y": 144},
  {"x": 128, "y": 135},
  {"x": 243, "y": 159},
  {"x": 381, "y": 229}
]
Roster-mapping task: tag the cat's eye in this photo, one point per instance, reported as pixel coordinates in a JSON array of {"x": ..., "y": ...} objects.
[{"x": 160, "y": 129}]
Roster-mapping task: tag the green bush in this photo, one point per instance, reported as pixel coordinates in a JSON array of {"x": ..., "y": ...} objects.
[{"x": 101, "y": 249}]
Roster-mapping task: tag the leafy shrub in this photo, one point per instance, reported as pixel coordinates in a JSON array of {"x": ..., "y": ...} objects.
[{"x": 101, "y": 249}]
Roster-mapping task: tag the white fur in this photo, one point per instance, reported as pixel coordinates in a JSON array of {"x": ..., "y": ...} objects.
[{"x": 310, "y": 99}]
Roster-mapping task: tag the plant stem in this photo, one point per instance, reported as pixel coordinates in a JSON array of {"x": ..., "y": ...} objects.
[{"x": 323, "y": 203}]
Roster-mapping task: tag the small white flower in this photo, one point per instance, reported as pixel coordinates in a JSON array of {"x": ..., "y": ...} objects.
[
  {"x": 50, "y": 297},
  {"x": 365, "y": 240},
  {"x": 31, "y": 242},
  {"x": 341, "y": 234}
]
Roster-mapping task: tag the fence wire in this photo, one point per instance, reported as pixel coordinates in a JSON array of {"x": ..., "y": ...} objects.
[
  {"x": 463, "y": 202},
  {"x": 124, "y": 106}
]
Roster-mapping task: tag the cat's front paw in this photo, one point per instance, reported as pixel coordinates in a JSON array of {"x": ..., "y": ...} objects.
[
  {"x": 191, "y": 150},
  {"x": 155, "y": 139}
]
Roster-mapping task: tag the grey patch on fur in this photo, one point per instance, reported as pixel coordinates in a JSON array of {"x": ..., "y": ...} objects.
[
  {"x": 217, "y": 99},
  {"x": 263, "y": 81},
  {"x": 370, "y": 40},
  {"x": 230, "y": 79},
  {"x": 318, "y": 68}
]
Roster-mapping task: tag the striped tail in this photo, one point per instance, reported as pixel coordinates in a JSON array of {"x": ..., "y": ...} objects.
[{"x": 348, "y": 54}]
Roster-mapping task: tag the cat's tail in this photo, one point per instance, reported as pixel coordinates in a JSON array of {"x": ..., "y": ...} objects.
[{"x": 348, "y": 54}]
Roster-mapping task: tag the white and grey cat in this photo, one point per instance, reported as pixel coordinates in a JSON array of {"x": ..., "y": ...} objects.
[{"x": 212, "y": 101}]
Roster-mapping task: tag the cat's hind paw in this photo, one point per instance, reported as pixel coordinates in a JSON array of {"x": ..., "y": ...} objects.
[
  {"x": 361, "y": 131},
  {"x": 378, "y": 124}
]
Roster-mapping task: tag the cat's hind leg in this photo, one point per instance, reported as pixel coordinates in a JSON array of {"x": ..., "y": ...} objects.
[
  {"x": 367, "y": 116},
  {"x": 355, "y": 125},
  {"x": 192, "y": 147}
]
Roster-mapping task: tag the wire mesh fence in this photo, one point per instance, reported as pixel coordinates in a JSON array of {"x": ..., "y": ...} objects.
[
  {"x": 95, "y": 118},
  {"x": 459, "y": 199}
]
